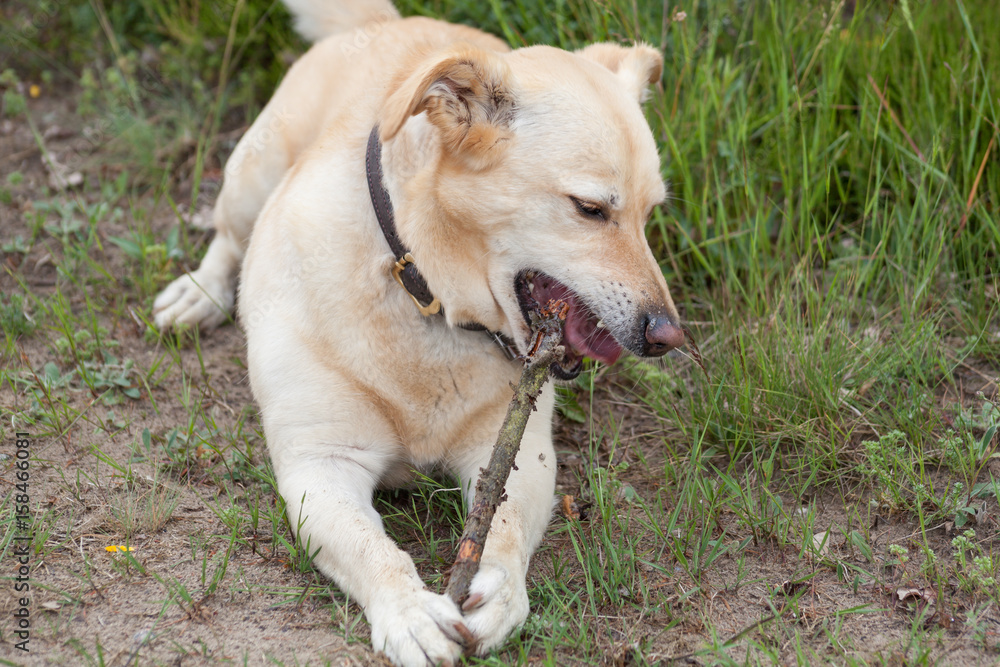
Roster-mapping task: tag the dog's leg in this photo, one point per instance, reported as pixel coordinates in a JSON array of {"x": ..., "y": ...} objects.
[
  {"x": 330, "y": 447},
  {"x": 498, "y": 598},
  {"x": 329, "y": 501},
  {"x": 205, "y": 297}
]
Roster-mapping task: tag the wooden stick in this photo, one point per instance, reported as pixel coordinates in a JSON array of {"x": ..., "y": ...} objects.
[{"x": 492, "y": 479}]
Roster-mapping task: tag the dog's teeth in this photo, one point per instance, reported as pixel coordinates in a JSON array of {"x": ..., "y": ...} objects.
[
  {"x": 600, "y": 324},
  {"x": 531, "y": 287}
]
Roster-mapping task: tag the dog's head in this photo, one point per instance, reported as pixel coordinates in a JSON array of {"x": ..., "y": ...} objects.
[{"x": 542, "y": 176}]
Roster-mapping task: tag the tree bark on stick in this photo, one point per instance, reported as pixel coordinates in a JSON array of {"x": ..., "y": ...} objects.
[{"x": 492, "y": 479}]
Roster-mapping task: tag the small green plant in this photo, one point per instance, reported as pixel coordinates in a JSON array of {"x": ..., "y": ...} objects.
[
  {"x": 987, "y": 416},
  {"x": 883, "y": 460},
  {"x": 900, "y": 482},
  {"x": 62, "y": 220},
  {"x": 83, "y": 345},
  {"x": 14, "y": 103},
  {"x": 188, "y": 451},
  {"x": 152, "y": 259},
  {"x": 140, "y": 505},
  {"x": 300, "y": 555},
  {"x": 17, "y": 245},
  {"x": 46, "y": 391},
  {"x": 967, "y": 454},
  {"x": 975, "y": 569},
  {"x": 14, "y": 179},
  {"x": 110, "y": 378},
  {"x": 929, "y": 568},
  {"x": 900, "y": 555},
  {"x": 15, "y": 320},
  {"x": 983, "y": 627}
]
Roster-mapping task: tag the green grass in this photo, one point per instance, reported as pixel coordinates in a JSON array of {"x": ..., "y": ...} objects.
[{"x": 831, "y": 237}]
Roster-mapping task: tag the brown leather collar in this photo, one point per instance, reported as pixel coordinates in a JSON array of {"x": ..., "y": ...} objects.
[{"x": 405, "y": 270}]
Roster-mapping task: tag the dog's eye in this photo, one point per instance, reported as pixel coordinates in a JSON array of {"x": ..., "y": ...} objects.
[{"x": 589, "y": 209}]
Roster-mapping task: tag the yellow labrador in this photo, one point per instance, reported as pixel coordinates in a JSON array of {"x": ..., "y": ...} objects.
[{"x": 505, "y": 178}]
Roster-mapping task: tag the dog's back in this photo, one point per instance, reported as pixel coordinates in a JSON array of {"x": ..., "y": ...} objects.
[{"x": 316, "y": 19}]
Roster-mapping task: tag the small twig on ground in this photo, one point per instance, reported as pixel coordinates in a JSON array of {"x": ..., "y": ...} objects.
[{"x": 490, "y": 486}]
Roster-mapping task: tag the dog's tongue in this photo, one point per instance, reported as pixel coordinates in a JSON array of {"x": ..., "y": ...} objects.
[
  {"x": 585, "y": 338},
  {"x": 582, "y": 335}
]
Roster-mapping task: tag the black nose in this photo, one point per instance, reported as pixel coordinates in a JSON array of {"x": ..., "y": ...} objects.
[{"x": 662, "y": 335}]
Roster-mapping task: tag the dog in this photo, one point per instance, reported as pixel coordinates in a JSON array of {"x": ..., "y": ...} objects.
[{"x": 411, "y": 195}]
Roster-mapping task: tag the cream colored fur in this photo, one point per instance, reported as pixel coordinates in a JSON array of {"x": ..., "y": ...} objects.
[{"x": 482, "y": 148}]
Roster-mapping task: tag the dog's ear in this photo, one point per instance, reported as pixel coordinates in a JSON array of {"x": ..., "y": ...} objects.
[
  {"x": 638, "y": 66},
  {"x": 466, "y": 93}
]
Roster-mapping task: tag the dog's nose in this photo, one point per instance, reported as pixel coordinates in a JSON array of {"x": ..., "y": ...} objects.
[{"x": 661, "y": 335}]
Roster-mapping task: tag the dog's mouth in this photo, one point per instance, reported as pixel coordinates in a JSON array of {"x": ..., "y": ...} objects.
[{"x": 584, "y": 334}]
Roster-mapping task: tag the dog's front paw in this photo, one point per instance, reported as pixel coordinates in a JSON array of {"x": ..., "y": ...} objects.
[
  {"x": 497, "y": 603},
  {"x": 418, "y": 629},
  {"x": 195, "y": 299}
]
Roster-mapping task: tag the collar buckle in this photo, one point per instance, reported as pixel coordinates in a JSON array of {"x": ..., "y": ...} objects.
[
  {"x": 505, "y": 344},
  {"x": 434, "y": 307}
]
